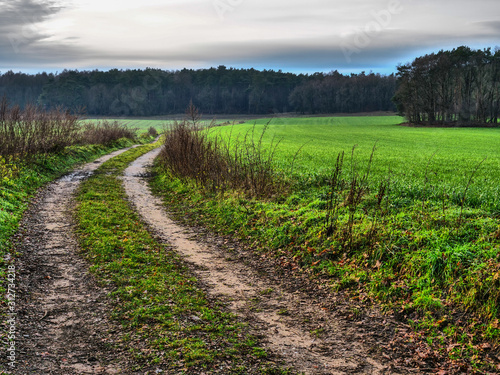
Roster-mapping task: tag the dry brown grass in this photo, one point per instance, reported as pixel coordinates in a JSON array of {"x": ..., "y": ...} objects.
[
  {"x": 33, "y": 131},
  {"x": 104, "y": 132}
]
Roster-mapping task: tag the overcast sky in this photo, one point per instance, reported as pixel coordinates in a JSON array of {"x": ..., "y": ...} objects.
[{"x": 292, "y": 35}]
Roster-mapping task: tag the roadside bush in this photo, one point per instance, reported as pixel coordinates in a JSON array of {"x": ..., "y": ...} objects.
[
  {"x": 34, "y": 131},
  {"x": 104, "y": 132},
  {"x": 220, "y": 164},
  {"x": 152, "y": 132}
]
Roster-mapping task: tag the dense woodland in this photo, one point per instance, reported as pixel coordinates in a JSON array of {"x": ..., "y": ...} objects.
[
  {"x": 221, "y": 90},
  {"x": 460, "y": 87}
]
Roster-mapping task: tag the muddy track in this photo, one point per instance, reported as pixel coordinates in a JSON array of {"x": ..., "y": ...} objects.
[
  {"x": 62, "y": 325},
  {"x": 301, "y": 325}
]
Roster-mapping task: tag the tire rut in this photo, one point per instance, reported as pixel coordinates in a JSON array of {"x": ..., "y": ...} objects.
[
  {"x": 308, "y": 336},
  {"x": 62, "y": 312}
]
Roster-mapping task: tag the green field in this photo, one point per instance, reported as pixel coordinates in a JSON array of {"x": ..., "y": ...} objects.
[
  {"x": 141, "y": 125},
  {"x": 449, "y": 155},
  {"x": 423, "y": 240}
]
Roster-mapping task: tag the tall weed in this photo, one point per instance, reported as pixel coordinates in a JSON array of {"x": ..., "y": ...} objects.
[
  {"x": 34, "y": 131},
  {"x": 104, "y": 132}
]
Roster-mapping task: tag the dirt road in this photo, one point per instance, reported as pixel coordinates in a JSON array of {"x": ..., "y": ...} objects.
[{"x": 62, "y": 312}]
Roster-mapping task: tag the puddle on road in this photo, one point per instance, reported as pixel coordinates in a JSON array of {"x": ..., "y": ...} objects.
[{"x": 76, "y": 176}]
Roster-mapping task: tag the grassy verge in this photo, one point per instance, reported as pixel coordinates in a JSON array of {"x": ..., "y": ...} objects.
[
  {"x": 164, "y": 313},
  {"x": 419, "y": 240}
]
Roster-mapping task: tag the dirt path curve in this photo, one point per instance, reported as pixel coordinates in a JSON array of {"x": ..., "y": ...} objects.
[
  {"x": 291, "y": 323},
  {"x": 61, "y": 311}
]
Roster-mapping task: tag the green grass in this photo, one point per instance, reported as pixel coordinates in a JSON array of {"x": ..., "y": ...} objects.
[
  {"x": 155, "y": 299},
  {"x": 417, "y": 252},
  {"x": 453, "y": 152},
  {"x": 142, "y": 125}
]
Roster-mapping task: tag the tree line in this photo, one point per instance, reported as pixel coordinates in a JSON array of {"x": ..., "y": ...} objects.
[
  {"x": 460, "y": 87},
  {"x": 337, "y": 93},
  {"x": 221, "y": 90}
]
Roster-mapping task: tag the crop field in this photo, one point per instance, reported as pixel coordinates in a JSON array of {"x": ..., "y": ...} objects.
[
  {"x": 144, "y": 124},
  {"x": 408, "y": 218},
  {"x": 448, "y": 156},
  {"x": 139, "y": 124}
]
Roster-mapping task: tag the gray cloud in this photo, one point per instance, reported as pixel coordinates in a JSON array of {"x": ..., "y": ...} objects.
[
  {"x": 319, "y": 35},
  {"x": 17, "y": 13},
  {"x": 383, "y": 51},
  {"x": 19, "y": 25},
  {"x": 493, "y": 26}
]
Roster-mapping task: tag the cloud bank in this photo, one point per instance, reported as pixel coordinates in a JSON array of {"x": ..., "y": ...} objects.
[{"x": 294, "y": 35}]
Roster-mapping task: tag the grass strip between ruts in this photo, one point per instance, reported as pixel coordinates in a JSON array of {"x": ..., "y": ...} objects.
[{"x": 163, "y": 312}]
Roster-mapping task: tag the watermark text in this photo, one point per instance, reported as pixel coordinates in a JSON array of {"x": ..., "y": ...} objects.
[
  {"x": 223, "y": 6},
  {"x": 11, "y": 323}
]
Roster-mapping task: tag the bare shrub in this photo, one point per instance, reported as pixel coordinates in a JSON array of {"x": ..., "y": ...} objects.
[
  {"x": 153, "y": 132},
  {"x": 218, "y": 164},
  {"x": 188, "y": 153},
  {"x": 104, "y": 132},
  {"x": 34, "y": 131}
]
